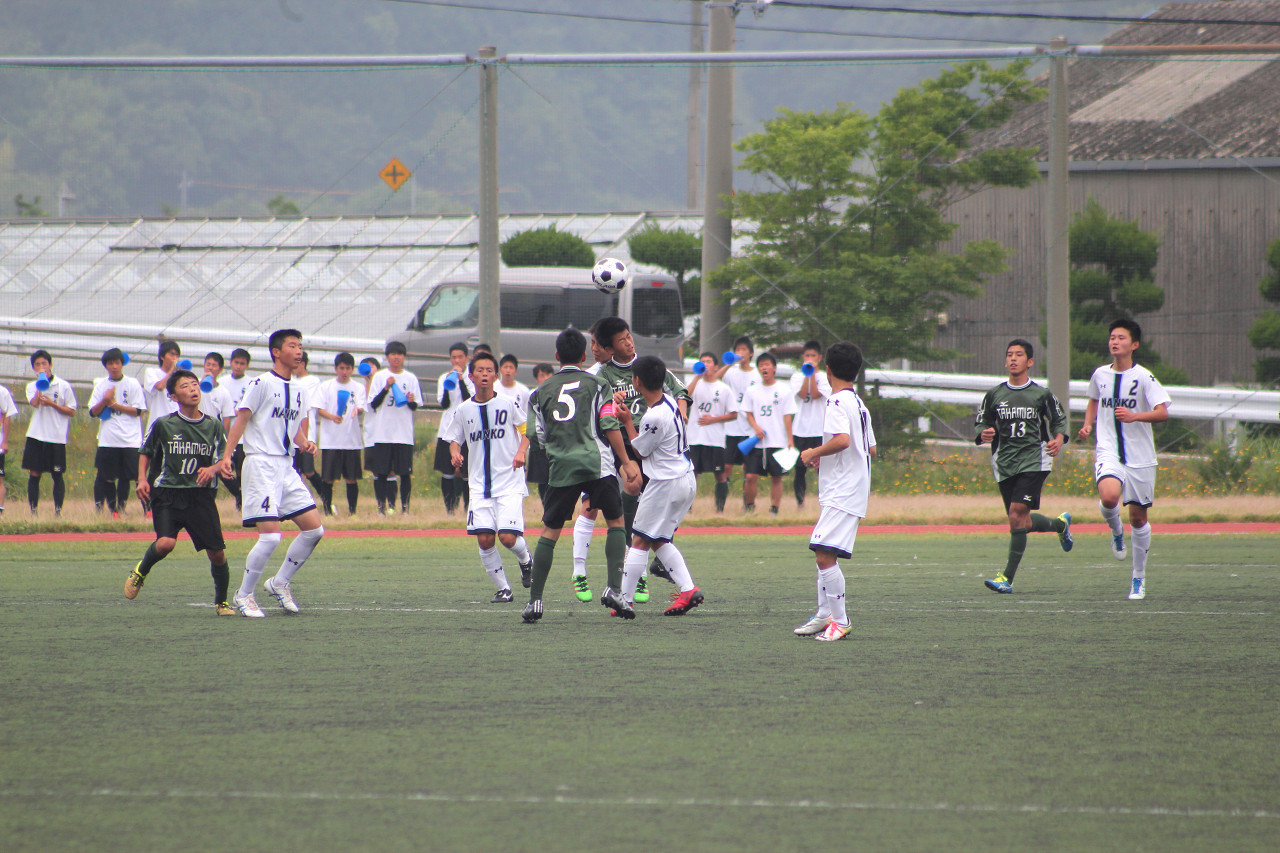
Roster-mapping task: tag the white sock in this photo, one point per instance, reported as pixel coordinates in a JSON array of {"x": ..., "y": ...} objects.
[
  {"x": 832, "y": 582},
  {"x": 1112, "y": 517},
  {"x": 299, "y": 550},
  {"x": 521, "y": 550},
  {"x": 582, "y": 530},
  {"x": 824, "y": 606},
  {"x": 1140, "y": 545},
  {"x": 671, "y": 557},
  {"x": 256, "y": 561},
  {"x": 492, "y": 562},
  {"x": 633, "y": 568}
]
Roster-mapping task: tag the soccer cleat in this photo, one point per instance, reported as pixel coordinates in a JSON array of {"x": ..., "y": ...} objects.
[
  {"x": 1117, "y": 546},
  {"x": 835, "y": 631},
  {"x": 999, "y": 584},
  {"x": 133, "y": 583},
  {"x": 279, "y": 590},
  {"x": 642, "y": 591},
  {"x": 501, "y": 597},
  {"x": 532, "y": 611},
  {"x": 580, "y": 587},
  {"x": 224, "y": 609},
  {"x": 683, "y": 602},
  {"x": 815, "y": 625},
  {"x": 660, "y": 571},
  {"x": 615, "y": 602},
  {"x": 1139, "y": 590},
  {"x": 247, "y": 605},
  {"x": 1065, "y": 537},
  {"x": 526, "y": 576}
]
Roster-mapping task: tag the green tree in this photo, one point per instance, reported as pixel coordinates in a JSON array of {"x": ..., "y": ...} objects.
[
  {"x": 1112, "y": 278},
  {"x": 281, "y": 206},
  {"x": 546, "y": 247},
  {"x": 848, "y": 223},
  {"x": 29, "y": 209},
  {"x": 677, "y": 252},
  {"x": 1264, "y": 334}
]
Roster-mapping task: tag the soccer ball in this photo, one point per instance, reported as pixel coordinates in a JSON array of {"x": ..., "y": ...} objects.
[{"x": 609, "y": 275}]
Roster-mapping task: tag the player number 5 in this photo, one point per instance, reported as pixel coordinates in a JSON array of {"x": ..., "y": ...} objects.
[{"x": 572, "y": 408}]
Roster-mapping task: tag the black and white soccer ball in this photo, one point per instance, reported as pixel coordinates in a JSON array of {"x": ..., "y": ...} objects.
[{"x": 609, "y": 275}]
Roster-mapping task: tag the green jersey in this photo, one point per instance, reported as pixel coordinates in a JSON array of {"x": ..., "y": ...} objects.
[
  {"x": 178, "y": 447},
  {"x": 571, "y": 411},
  {"x": 619, "y": 378},
  {"x": 1024, "y": 419}
]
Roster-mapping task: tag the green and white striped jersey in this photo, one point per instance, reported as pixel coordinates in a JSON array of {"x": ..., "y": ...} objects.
[{"x": 571, "y": 410}]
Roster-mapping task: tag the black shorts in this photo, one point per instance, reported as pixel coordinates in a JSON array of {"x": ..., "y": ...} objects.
[
  {"x": 342, "y": 464},
  {"x": 192, "y": 510},
  {"x": 40, "y": 456},
  {"x": 444, "y": 459},
  {"x": 806, "y": 442},
  {"x": 2, "y": 466},
  {"x": 237, "y": 461},
  {"x": 706, "y": 459},
  {"x": 117, "y": 463},
  {"x": 559, "y": 501},
  {"x": 732, "y": 455},
  {"x": 383, "y": 460},
  {"x": 536, "y": 468},
  {"x": 760, "y": 461},
  {"x": 1023, "y": 488},
  {"x": 304, "y": 463}
]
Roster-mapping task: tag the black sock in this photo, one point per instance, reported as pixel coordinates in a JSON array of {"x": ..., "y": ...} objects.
[
  {"x": 33, "y": 492},
  {"x": 221, "y": 580},
  {"x": 406, "y": 483},
  {"x": 100, "y": 486},
  {"x": 722, "y": 495},
  {"x": 326, "y": 495},
  {"x": 463, "y": 490},
  {"x": 449, "y": 493},
  {"x": 380, "y": 485},
  {"x": 122, "y": 493},
  {"x": 353, "y": 491},
  {"x": 801, "y": 486},
  {"x": 59, "y": 490},
  {"x": 149, "y": 559}
]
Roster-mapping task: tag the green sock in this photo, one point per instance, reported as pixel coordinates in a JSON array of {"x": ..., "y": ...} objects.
[
  {"x": 615, "y": 553},
  {"x": 149, "y": 559},
  {"x": 543, "y": 553},
  {"x": 1017, "y": 545},
  {"x": 1045, "y": 524},
  {"x": 722, "y": 495},
  {"x": 630, "y": 503}
]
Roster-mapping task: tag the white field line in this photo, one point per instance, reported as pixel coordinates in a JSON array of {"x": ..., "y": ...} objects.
[{"x": 657, "y": 802}]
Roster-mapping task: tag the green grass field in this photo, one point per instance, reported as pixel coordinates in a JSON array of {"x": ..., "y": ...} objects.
[{"x": 401, "y": 711}]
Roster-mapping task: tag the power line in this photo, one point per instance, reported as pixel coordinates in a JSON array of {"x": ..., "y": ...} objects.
[{"x": 1031, "y": 16}]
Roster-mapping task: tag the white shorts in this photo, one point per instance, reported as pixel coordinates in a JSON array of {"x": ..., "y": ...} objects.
[
  {"x": 503, "y": 514},
  {"x": 1139, "y": 484},
  {"x": 834, "y": 531},
  {"x": 663, "y": 505},
  {"x": 271, "y": 490}
]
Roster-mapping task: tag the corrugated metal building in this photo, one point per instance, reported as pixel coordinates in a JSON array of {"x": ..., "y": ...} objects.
[{"x": 1189, "y": 148}]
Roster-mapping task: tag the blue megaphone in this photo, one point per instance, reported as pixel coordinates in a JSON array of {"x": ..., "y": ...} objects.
[
  {"x": 807, "y": 369},
  {"x": 126, "y": 358},
  {"x": 105, "y": 414},
  {"x": 343, "y": 397},
  {"x": 699, "y": 367},
  {"x": 206, "y": 384},
  {"x": 42, "y": 382},
  {"x": 729, "y": 356},
  {"x": 365, "y": 368},
  {"x": 451, "y": 380},
  {"x": 184, "y": 364},
  {"x": 748, "y": 444},
  {"x": 397, "y": 393}
]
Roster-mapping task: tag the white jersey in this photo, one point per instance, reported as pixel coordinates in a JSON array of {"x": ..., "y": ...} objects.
[
  {"x": 811, "y": 409},
  {"x": 1137, "y": 390},
  {"x": 47, "y": 423},
  {"x": 844, "y": 478},
  {"x": 366, "y": 422},
  {"x": 278, "y": 407},
  {"x": 662, "y": 441},
  {"x": 346, "y": 435},
  {"x": 710, "y": 398},
  {"x": 450, "y": 400},
  {"x": 158, "y": 402},
  {"x": 217, "y": 403},
  {"x": 235, "y": 389},
  {"x": 518, "y": 392},
  {"x": 8, "y": 409},
  {"x": 393, "y": 424},
  {"x": 489, "y": 432},
  {"x": 768, "y": 404},
  {"x": 309, "y": 384},
  {"x": 739, "y": 380},
  {"x": 119, "y": 430}
]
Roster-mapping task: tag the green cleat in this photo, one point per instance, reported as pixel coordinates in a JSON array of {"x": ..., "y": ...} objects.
[
  {"x": 1065, "y": 538},
  {"x": 580, "y": 587},
  {"x": 642, "y": 591}
]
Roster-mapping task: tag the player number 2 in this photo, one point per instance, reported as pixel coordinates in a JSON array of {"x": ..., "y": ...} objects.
[{"x": 571, "y": 407}]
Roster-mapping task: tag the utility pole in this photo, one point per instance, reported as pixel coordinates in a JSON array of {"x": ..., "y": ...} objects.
[
  {"x": 1058, "y": 262},
  {"x": 693, "y": 169},
  {"x": 717, "y": 228},
  {"x": 490, "y": 298}
]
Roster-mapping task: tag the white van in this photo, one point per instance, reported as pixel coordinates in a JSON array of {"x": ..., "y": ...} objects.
[{"x": 537, "y": 304}]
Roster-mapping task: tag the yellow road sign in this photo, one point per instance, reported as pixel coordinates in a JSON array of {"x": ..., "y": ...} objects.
[{"x": 395, "y": 173}]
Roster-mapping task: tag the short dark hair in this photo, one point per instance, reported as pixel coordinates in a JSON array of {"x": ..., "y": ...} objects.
[
  {"x": 279, "y": 336},
  {"x": 113, "y": 354},
  {"x": 543, "y": 367},
  {"x": 767, "y": 356},
  {"x": 306, "y": 359},
  {"x": 709, "y": 354},
  {"x": 649, "y": 371},
  {"x": 744, "y": 340},
  {"x": 509, "y": 358},
  {"x": 608, "y": 329},
  {"x": 167, "y": 346},
  {"x": 482, "y": 348},
  {"x": 571, "y": 346},
  {"x": 216, "y": 356},
  {"x": 1021, "y": 342},
  {"x": 41, "y": 353},
  {"x": 397, "y": 347},
  {"x": 812, "y": 345},
  {"x": 175, "y": 377},
  {"x": 344, "y": 358},
  {"x": 844, "y": 360},
  {"x": 455, "y": 347},
  {"x": 482, "y": 355},
  {"x": 240, "y": 352},
  {"x": 1134, "y": 330},
  {"x": 370, "y": 360}
]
